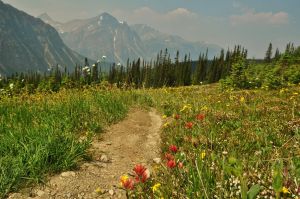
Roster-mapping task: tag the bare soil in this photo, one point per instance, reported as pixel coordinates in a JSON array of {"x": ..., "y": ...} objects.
[{"x": 135, "y": 140}]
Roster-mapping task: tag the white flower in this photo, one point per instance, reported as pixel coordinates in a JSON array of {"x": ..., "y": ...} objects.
[
  {"x": 103, "y": 57},
  {"x": 119, "y": 64},
  {"x": 11, "y": 86}
]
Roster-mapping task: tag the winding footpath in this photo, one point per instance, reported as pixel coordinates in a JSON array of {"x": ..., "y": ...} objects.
[{"x": 132, "y": 141}]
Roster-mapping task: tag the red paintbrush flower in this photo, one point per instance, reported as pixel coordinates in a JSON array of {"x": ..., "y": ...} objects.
[
  {"x": 173, "y": 148},
  {"x": 142, "y": 173},
  {"x": 139, "y": 169},
  {"x": 171, "y": 164},
  {"x": 189, "y": 125},
  {"x": 200, "y": 117},
  {"x": 144, "y": 177},
  {"x": 177, "y": 116},
  {"x": 127, "y": 183}
]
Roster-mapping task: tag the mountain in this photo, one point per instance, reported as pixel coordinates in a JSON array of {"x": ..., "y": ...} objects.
[
  {"x": 154, "y": 41},
  {"x": 27, "y": 43},
  {"x": 101, "y": 36},
  {"x": 105, "y": 35}
]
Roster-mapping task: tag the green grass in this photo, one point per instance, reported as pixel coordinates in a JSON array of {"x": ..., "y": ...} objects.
[
  {"x": 39, "y": 134},
  {"x": 247, "y": 144},
  {"x": 244, "y": 135}
]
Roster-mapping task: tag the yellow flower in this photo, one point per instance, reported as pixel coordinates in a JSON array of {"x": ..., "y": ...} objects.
[
  {"x": 164, "y": 116},
  {"x": 242, "y": 99},
  {"x": 203, "y": 154},
  {"x": 98, "y": 190},
  {"x": 155, "y": 187},
  {"x": 285, "y": 190},
  {"x": 295, "y": 93},
  {"x": 123, "y": 179},
  {"x": 204, "y": 108},
  {"x": 166, "y": 125},
  {"x": 186, "y": 107}
]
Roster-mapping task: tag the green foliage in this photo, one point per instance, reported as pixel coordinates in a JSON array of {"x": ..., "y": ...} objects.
[
  {"x": 39, "y": 134},
  {"x": 253, "y": 191},
  {"x": 277, "y": 177},
  {"x": 243, "y": 135}
]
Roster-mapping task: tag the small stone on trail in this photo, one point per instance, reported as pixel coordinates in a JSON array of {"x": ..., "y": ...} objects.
[
  {"x": 111, "y": 192},
  {"x": 104, "y": 158},
  {"x": 157, "y": 160},
  {"x": 68, "y": 174},
  {"x": 40, "y": 193}
]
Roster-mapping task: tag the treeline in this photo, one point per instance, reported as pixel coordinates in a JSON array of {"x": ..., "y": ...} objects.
[
  {"x": 136, "y": 74},
  {"x": 231, "y": 66},
  {"x": 180, "y": 72},
  {"x": 278, "y": 70}
]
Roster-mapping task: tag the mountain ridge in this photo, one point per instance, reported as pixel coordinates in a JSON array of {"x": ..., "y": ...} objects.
[
  {"x": 100, "y": 35},
  {"x": 27, "y": 43}
]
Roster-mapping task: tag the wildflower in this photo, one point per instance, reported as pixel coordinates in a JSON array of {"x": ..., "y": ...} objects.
[
  {"x": 180, "y": 165},
  {"x": 166, "y": 125},
  {"x": 127, "y": 183},
  {"x": 144, "y": 177},
  {"x": 142, "y": 173},
  {"x": 177, "y": 117},
  {"x": 186, "y": 107},
  {"x": 204, "y": 108},
  {"x": 123, "y": 178},
  {"x": 11, "y": 86},
  {"x": 189, "y": 125},
  {"x": 285, "y": 190},
  {"x": 242, "y": 99},
  {"x": 173, "y": 148},
  {"x": 99, "y": 191},
  {"x": 139, "y": 169},
  {"x": 203, "y": 154},
  {"x": 200, "y": 117},
  {"x": 164, "y": 116},
  {"x": 171, "y": 164},
  {"x": 155, "y": 187},
  {"x": 169, "y": 156}
]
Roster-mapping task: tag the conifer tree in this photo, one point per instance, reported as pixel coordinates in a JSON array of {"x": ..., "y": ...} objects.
[
  {"x": 277, "y": 54},
  {"x": 268, "y": 57}
]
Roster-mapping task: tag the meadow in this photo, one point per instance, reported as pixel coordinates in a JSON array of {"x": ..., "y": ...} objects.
[
  {"x": 215, "y": 143},
  {"x": 45, "y": 133},
  {"x": 225, "y": 144}
]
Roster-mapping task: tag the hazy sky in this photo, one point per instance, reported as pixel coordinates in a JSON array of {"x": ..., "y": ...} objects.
[{"x": 251, "y": 23}]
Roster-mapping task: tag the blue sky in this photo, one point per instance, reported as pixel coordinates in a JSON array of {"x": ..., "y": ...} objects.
[{"x": 252, "y": 23}]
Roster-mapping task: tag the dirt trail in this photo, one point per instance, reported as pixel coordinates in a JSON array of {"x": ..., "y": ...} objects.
[{"x": 133, "y": 140}]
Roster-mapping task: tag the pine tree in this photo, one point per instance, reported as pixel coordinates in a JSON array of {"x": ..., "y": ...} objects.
[
  {"x": 268, "y": 57},
  {"x": 277, "y": 54}
]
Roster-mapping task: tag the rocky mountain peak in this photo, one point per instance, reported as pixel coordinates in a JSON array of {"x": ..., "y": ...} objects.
[
  {"x": 45, "y": 16},
  {"x": 27, "y": 43}
]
